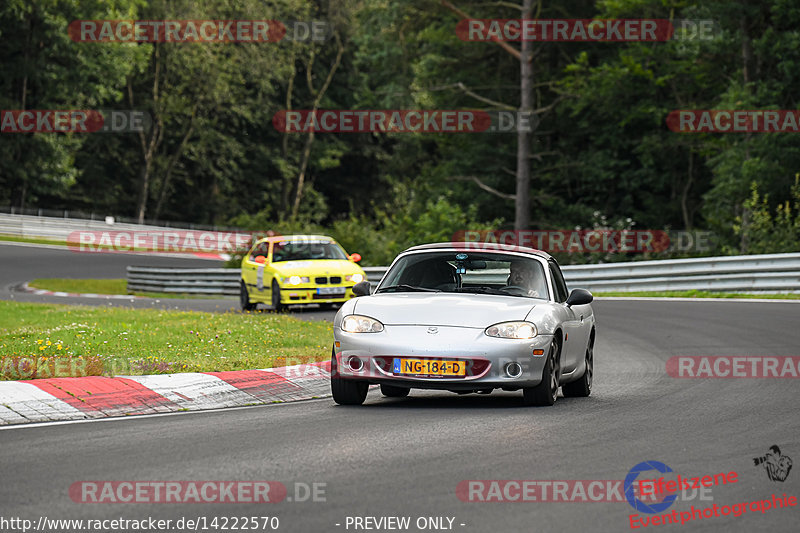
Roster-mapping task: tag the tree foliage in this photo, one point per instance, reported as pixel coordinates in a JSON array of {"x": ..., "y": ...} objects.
[{"x": 601, "y": 147}]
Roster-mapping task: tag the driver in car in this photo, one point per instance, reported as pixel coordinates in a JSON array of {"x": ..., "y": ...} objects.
[{"x": 524, "y": 276}]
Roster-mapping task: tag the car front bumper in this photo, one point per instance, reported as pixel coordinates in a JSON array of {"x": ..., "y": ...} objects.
[{"x": 487, "y": 358}]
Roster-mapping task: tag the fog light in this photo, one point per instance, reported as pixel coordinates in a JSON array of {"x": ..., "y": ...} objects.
[
  {"x": 355, "y": 364},
  {"x": 513, "y": 370}
]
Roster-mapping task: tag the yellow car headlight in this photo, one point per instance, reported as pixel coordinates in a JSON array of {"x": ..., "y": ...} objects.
[
  {"x": 355, "y": 278},
  {"x": 296, "y": 280}
]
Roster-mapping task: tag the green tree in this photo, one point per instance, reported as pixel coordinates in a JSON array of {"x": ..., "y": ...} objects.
[{"x": 44, "y": 69}]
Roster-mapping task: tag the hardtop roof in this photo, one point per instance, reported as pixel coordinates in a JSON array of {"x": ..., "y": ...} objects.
[{"x": 479, "y": 247}]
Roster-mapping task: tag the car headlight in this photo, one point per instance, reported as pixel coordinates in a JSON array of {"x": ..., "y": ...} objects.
[
  {"x": 355, "y": 278},
  {"x": 296, "y": 280},
  {"x": 512, "y": 330},
  {"x": 361, "y": 324}
]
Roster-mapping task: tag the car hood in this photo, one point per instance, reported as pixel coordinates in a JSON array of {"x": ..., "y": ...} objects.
[
  {"x": 440, "y": 309},
  {"x": 317, "y": 267}
]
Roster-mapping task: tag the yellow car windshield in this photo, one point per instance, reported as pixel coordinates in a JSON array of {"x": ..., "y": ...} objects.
[{"x": 306, "y": 250}]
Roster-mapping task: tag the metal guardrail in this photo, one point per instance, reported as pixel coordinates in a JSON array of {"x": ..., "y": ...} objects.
[
  {"x": 748, "y": 273},
  {"x": 742, "y": 273},
  {"x": 14, "y": 218},
  {"x": 60, "y": 228},
  {"x": 219, "y": 281},
  {"x": 375, "y": 274},
  {"x": 212, "y": 281}
]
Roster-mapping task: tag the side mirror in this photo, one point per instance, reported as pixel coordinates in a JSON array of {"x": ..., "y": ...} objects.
[
  {"x": 362, "y": 289},
  {"x": 260, "y": 259},
  {"x": 355, "y": 258},
  {"x": 580, "y": 297}
]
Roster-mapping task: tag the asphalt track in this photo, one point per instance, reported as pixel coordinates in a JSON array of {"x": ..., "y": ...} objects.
[{"x": 405, "y": 457}]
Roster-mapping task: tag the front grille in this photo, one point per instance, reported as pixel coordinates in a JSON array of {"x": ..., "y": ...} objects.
[
  {"x": 327, "y": 296},
  {"x": 336, "y": 279},
  {"x": 321, "y": 280}
]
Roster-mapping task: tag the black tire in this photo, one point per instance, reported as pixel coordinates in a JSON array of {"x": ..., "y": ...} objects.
[
  {"x": 583, "y": 387},
  {"x": 346, "y": 391},
  {"x": 276, "y": 297},
  {"x": 390, "y": 391},
  {"x": 546, "y": 392},
  {"x": 244, "y": 298}
]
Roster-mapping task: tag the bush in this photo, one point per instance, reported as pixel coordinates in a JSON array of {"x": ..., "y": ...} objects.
[
  {"x": 407, "y": 221},
  {"x": 762, "y": 233}
]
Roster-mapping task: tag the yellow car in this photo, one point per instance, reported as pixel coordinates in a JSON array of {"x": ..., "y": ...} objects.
[{"x": 298, "y": 269}]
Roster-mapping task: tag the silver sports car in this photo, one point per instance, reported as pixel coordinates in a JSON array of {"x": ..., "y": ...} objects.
[{"x": 450, "y": 317}]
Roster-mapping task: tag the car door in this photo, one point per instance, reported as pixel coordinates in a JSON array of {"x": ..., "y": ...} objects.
[
  {"x": 572, "y": 326},
  {"x": 253, "y": 273}
]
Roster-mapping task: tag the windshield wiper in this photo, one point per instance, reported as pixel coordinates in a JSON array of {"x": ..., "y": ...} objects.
[
  {"x": 404, "y": 287},
  {"x": 480, "y": 290}
]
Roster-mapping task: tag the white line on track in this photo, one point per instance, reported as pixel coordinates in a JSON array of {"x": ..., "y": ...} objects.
[{"x": 671, "y": 299}]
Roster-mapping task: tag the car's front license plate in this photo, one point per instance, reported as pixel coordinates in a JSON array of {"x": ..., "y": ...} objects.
[
  {"x": 428, "y": 367},
  {"x": 331, "y": 290}
]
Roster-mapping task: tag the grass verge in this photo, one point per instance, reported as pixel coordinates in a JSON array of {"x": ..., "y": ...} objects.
[
  {"x": 41, "y": 340},
  {"x": 698, "y": 294},
  {"x": 104, "y": 286},
  {"x": 32, "y": 240}
]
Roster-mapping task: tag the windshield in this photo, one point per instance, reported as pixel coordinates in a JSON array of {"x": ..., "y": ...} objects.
[
  {"x": 305, "y": 250},
  {"x": 479, "y": 273}
]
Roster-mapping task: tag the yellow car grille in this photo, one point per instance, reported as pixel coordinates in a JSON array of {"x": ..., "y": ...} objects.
[{"x": 324, "y": 280}]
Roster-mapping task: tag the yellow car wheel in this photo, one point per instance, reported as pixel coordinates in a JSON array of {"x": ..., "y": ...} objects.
[
  {"x": 276, "y": 297},
  {"x": 244, "y": 298}
]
